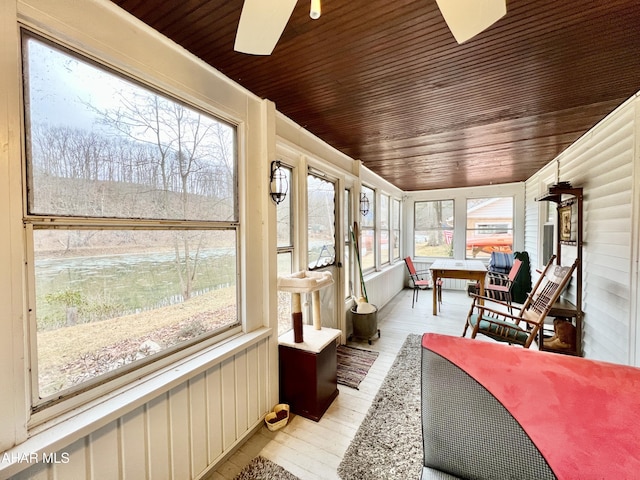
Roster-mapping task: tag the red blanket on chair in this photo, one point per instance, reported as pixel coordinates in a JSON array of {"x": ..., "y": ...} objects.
[{"x": 582, "y": 415}]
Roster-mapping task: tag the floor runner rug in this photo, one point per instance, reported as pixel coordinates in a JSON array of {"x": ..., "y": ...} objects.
[
  {"x": 353, "y": 365},
  {"x": 261, "y": 468},
  {"x": 388, "y": 443}
]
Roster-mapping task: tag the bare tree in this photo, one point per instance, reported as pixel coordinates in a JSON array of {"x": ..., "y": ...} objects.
[{"x": 181, "y": 144}]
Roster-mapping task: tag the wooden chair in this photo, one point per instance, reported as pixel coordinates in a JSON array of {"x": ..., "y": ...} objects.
[
  {"x": 499, "y": 285},
  {"x": 491, "y": 317},
  {"x": 420, "y": 280}
]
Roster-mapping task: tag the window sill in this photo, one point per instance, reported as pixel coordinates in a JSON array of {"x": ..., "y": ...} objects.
[{"x": 64, "y": 430}]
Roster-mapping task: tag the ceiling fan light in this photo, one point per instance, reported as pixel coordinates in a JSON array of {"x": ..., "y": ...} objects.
[
  {"x": 261, "y": 25},
  {"x": 315, "y": 10},
  {"x": 467, "y": 18}
]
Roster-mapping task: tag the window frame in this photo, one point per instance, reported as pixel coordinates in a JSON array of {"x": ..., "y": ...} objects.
[
  {"x": 460, "y": 196},
  {"x": 312, "y": 173},
  {"x": 396, "y": 219},
  {"x": 371, "y": 228},
  {"x": 348, "y": 253},
  {"x": 385, "y": 228},
  {"x": 487, "y": 229},
  {"x": 439, "y": 228},
  {"x": 42, "y": 409},
  {"x": 286, "y": 249}
]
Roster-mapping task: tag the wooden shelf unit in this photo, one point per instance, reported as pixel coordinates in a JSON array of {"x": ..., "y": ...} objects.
[{"x": 564, "y": 195}]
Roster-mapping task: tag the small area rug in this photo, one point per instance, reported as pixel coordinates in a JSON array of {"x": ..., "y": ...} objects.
[
  {"x": 261, "y": 468},
  {"x": 353, "y": 365},
  {"x": 388, "y": 444}
]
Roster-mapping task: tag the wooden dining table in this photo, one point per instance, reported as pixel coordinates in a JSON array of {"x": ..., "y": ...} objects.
[{"x": 463, "y": 269}]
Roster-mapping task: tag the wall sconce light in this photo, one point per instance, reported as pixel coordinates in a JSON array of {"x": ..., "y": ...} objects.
[
  {"x": 364, "y": 204},
  {"x": 278, "y": 184}
]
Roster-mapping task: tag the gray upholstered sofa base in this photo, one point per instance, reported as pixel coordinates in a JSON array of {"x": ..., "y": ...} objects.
[
  {"x": 468, "y": 433},
  {"x": 495, "y": 412},
  {"x": 433, "y": 474}
]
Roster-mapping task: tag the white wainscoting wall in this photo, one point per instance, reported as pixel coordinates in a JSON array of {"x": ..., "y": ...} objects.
[
  {"x": 177, "y": 434},
  {"x": 384, "y": 285}
]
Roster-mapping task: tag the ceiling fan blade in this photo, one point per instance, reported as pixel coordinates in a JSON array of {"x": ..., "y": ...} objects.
[
  {"x": 467, "y": 18},
  {"x": 261, "y": 24}
]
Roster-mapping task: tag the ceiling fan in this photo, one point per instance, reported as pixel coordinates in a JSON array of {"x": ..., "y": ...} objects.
[{"x": 263, "y": 21}]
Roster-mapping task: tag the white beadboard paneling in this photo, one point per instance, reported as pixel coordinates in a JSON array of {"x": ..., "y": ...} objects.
[
  {"x": 133, "y": 444},
  {"x": 198, "y": 421},
  {"x": 264, "y": 387},
  {"x": 158, "y": 437},
  {"x": 180, "y": 434},
  {"x": 39, "y": 471},
  {"x": 104, "y": 454},
  {"x": 214, "y": 412},
  {"x": 383, "y": 286},
  {"x": 242, "y": 396},
  {"x": 75, "y": 467},
  {"x": 229, "y": 411},
  {"x": 253, "y": 385}
]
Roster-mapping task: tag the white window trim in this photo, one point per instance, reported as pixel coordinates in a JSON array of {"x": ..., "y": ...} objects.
[
  {"x": 460, "y": 196},
  {"x": 118, "y": 378}
]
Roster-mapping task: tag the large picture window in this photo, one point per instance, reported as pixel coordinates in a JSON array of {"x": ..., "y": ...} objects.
[
  {"x": 489, "y": 226},
  {"x": 131, "y": 218},
  {"x": 433, "y": 229}
]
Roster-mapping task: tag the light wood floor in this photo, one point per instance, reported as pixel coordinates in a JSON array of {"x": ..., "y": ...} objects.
[{"x": 313, "y": 450}]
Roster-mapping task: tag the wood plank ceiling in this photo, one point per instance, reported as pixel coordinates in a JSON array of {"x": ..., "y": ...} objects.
[{"x": 385, "y": 82}]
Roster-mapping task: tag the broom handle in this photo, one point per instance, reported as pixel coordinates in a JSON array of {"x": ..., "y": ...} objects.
[{"x": 356, "y": 244}]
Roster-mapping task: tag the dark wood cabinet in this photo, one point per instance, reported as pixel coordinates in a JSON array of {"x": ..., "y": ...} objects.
[
  {"x": 308, "y": 372},
  {"x": 568, "y": 202}
]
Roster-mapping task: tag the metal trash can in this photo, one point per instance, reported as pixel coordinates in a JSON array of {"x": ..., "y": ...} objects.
[{"x": 365, "y": 325}]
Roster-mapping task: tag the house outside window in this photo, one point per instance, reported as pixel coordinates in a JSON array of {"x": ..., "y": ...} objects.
[
  {"x": 489, "y": 226},
  {"x": 131, "y": 221}
]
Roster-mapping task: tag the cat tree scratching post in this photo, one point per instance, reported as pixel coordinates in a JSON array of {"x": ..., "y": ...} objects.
[
  {"x": 307, "y": 367},
  {"x": 304, "y": 282}
]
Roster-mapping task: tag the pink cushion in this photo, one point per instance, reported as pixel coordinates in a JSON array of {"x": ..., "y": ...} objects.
[{"x": 497, "y": 288}]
